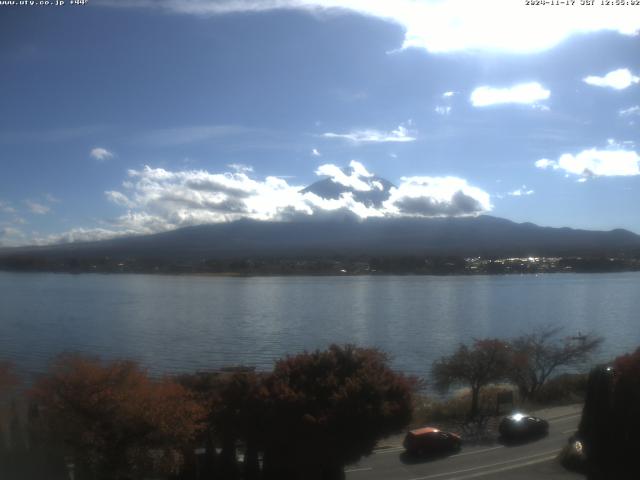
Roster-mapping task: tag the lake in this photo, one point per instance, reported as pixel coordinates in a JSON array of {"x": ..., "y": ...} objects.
[{"x": 186, "y": 323}]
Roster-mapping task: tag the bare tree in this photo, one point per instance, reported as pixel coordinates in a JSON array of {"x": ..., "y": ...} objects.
[
  {"x": 537, "y": 355},
  {"x": 485, "y": 362}
]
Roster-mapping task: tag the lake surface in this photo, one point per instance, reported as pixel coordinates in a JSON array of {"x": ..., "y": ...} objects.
[{"x": 186, "y": 323}]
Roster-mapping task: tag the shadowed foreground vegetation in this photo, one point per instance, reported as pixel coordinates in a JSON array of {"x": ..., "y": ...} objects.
[
  {"x": 607, "y": 437},
  {"x": 308, "y": 418}
]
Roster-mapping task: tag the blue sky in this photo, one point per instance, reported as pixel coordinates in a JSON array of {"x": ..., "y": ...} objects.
[{"x": 134, "y": 117}]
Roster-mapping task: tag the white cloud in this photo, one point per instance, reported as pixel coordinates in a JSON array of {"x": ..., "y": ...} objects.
[
  {"x": 448, "y": 94},
  {"x": 617, "y": 79},
  {"x": 10, "y": 231},
  {"x": 119, "y": 199},
  {"x": 436, "y": 197},
  {"x": 240, "y": 167},
  {"x": 316, "y": 153},
  {"x": 352, "y": 180},
  {"x": 524, "y": 93},
  {"x": 5, "y": 207},
  {"x": 158, "y": 200},
  {"x": 545, "y": 163},
  {"x": 446, "y": 25},
  {"x": 596, "y": 163},
  {"x": 400, "y": 134},
  {"x": 443, "y": 110},
  {"x": 51, "y": 198},
  {"x": 521, "y": 192},
  {"x": 539, "y": 106},
  {"x": 11, "y": 237},
  {"x": 377, "y": 185},
  {"x": 630, "y": 112},
  {"x": 83, "y": 235},
  {"x": 100, "y": 154},
  {"x": 37, "y": 208}
]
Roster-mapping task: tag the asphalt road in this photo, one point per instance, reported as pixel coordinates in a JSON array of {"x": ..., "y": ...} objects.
[{"x": 534, "y": 460}]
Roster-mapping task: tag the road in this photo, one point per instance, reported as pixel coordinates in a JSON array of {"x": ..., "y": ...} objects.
[{"x": 529, "y": 461}]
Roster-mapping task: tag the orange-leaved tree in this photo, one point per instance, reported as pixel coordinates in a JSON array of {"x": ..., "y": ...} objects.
[
  {"x": 329, "y": 408},
  {"x": 116, "y": 421}
]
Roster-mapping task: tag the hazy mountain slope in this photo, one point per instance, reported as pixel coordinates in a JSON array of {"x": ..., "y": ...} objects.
[{"x": 484, "y": 235}]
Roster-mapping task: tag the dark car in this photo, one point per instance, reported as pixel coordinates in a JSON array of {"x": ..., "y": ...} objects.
[
  {"x": 431, "y": 441},
  {"x": 521, "y": 426}
]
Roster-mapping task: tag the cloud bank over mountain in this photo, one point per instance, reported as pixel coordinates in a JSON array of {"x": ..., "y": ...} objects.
[{"x": 158, "y": 199}]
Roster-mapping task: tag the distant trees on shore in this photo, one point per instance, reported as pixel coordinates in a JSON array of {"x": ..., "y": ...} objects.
[
  {"x": 527, "y": 361},
  {"x": 338, "y": 264}
]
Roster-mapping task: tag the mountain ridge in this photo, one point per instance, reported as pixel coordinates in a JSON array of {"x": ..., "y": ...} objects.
[{"x": 462, "y": 236}]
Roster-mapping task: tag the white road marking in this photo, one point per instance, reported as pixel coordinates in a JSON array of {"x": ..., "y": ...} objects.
[
  {"x": 388, "y": 450},
  {"x": 477, "y": 451},
  {"x": 473, "y": 452},
  {"x": 363, "y": 469},
  {"x": 553, "y": 453},
  {"x": 573, "y": 430},
  {"x": 564, "y": 417},
  {"x": 504, "y": 469}
]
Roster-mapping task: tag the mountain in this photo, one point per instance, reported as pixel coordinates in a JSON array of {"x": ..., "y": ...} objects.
[
  {"x": 462, "y": 236},
  {"x": 378, "y": 189}
]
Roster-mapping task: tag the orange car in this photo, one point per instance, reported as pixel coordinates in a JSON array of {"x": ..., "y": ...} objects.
[{"x": 429, "y": 440}]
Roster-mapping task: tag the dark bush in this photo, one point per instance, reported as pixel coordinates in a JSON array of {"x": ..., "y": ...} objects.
[
  {"x": 611, "y": 420},
  {"x": 329, "y": 408}
]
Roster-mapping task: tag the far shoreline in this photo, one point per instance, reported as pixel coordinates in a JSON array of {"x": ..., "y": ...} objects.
[{"x": 313, "y": 275}]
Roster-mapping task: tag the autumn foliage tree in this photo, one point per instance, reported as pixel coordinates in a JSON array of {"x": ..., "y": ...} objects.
[
  {"x": 234, "y": 401},
  {"x": 239, "y": 414},
  {"x": 8, "y": 378},
  {"x": 537, "y": 355},
  {"x": 475, "y": 366},
  {"x": 115, "y": 420},
  {"x": 329, "y": 408}
]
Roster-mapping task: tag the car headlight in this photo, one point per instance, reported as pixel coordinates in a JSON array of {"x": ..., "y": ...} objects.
[{"x": 577, "y": 446}]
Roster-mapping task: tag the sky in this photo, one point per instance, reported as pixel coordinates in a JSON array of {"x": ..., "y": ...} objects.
[{"x": 134, "y": 117}]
